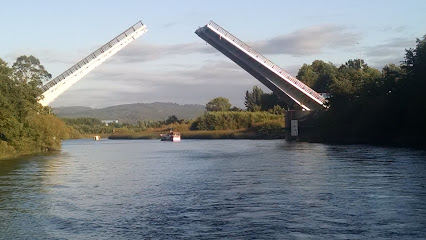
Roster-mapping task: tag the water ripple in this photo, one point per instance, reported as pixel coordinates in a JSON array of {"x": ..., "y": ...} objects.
[{"x": 221, "y": 189}]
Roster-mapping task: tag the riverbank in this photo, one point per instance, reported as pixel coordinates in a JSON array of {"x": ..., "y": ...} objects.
[
  {"x": 12, "y": 153},
  {"x": 202, "y": 134}
]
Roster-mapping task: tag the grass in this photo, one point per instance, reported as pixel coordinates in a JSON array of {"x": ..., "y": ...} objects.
[{"x": 251, "y": 133}]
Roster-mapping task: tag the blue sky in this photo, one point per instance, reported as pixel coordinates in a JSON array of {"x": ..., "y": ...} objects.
[{"x": 170, "y": 63}]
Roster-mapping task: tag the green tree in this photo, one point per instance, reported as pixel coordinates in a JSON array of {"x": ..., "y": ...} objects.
[
  {"x": 277, "y": 110},
  {"x": 410, "y": 98},
  {"x": 236, "y": 109},
  {"x": 218, "y": 104},
  {"x": 269, "y": 100},
  {"x": 354, "y": 78},
  {"x": 231, "y": 120},
  {"x": 253, "y": 99},
  {"x": 8, "y": 93},
  {"x": 415, "y": 65},
  {"x": 29, "y": 69},
  {"x": 25, "y": 126},
  {"x": 257, "y": 100},
  {"x": 318, "y": 76},
  {"x": 173, "y": 119},
  {"x": 307, "y": 75}
]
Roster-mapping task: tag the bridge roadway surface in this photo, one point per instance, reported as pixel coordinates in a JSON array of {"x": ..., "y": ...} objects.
[
  {"x": 61, "y": 83},
  {"x": 295, "y": 93}
]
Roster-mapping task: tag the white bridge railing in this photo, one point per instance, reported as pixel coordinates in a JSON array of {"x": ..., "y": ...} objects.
[
  {"x": 59, "y": 84},
  {"x": 263, "y": 60}
]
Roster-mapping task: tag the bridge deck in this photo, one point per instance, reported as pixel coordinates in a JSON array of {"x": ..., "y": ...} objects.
[
  {"x": 295, "y": 93},
  {"x": 59, "y": 84}
]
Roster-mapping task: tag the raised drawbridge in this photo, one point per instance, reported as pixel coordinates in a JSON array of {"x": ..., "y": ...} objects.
[
  {"x": 61, "y": 83},
  {"x": 295, "y": 93}
]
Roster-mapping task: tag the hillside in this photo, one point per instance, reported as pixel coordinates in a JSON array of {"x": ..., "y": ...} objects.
[{"x": 131, "y": 113}]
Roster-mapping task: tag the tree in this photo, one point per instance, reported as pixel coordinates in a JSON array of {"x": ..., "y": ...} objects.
[
  {"x": 307, "y": 75},
  {"x": 29, "y": 69},
  {"x": 253, "y": 100},
  {"x": 354, "y": 78},
  {"x": 318, "y": 76},
  {"x": 277, "y": 110},
  {"x": 391, "y": 75},
  {"x": 4, "y": 69},
  {"x": 236, "y": 109},
  {"x": 218, "y": 104},
  {"x": 173, "y": 119},
  {"x": 411, "y": 99},
  {"x": 257, "y": 100},
  {"x": 25, "y": 126},
  {"x": 269, "y": 100},
  {"x": 415, "y": 62},
  {"x": 7, "y": 95}
]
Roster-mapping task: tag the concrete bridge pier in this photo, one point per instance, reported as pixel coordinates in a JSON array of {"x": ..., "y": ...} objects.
[{"x": 298, "y": 123}]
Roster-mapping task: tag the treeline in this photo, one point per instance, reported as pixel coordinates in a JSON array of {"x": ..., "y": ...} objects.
[
  {"x": 263, "y": 115},
  {"x": 95, "y": 126},
  {"x": 372, "y": 106},
  {"x": 228, "y": 120},
  {"x": 90, "y": 125},
  {"x": 26, "y": 126}
]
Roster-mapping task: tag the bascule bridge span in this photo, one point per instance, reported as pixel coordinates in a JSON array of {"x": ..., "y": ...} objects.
[
  {"x": 61, "y": 83},
  {"x": 295, "y": 93}
]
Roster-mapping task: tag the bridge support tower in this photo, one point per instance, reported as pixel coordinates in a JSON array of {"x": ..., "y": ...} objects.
[{"x": 299, "y": 124}]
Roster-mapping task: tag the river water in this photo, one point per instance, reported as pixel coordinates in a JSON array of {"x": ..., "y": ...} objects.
[{"x": 211, "y": 189}]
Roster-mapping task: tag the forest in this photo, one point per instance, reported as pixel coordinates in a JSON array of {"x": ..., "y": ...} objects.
[
  {"x": 371, "y": 106},
  {"x": 25, "y": 126}
]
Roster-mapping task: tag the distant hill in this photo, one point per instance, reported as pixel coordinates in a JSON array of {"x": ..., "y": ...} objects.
[{"x": 131, "y": 113}]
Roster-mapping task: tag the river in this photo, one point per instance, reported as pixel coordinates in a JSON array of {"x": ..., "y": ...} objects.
[{"x": 214, "y": 189}]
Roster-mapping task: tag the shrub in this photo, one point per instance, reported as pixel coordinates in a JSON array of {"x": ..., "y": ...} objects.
[
  {"x": 6, "y": 150},
  {"x": 231, "y": 120},
  {"x": 269, "y": 128}
]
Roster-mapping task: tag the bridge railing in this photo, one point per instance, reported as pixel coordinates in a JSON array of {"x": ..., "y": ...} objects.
[
  {"x": 92, "y": 56},
  {"x": 269, "y": 63}
]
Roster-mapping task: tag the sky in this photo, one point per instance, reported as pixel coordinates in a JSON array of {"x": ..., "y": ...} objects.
[{"x": 170, "y": 63}]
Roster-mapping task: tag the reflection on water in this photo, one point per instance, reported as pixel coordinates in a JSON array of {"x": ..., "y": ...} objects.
[{"x": 206, "y": 189}]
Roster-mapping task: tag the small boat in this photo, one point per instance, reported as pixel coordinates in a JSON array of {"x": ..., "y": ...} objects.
[
  {"x": 171, "y": 137},
  {"x": 97, "y": 138}
]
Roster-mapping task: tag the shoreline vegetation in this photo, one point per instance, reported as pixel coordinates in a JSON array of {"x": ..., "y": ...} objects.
[
  {"x": 366, "y": 106},
  {"x": 26, "y": 127},
  {"x": 215, "y": 134},
  {"x": 204, "y": 134}
]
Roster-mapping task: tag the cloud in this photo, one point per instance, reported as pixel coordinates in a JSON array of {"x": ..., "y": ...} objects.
[
  {"x": 142, "y": 52},
  {"x": 168, "y": 25},
  {"x": 392, "y": 28},
  {"x": 118, "y": 84},
  {"x": 388, "y": 48},
  {"x": 213, "y": 73},
  {"x": 45, "y": 56},
  {"x": 392, "y": 51},
  {"x": 308, "y": 41}
]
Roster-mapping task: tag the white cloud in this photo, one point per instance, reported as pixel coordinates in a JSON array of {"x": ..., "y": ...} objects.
[
  {"x": 392, "y": 51},
  {"x": 118, "y": 84},
  {"x": 308, "y": 41},
  {"x": 141, "y": 52}
]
